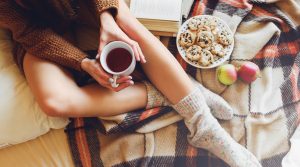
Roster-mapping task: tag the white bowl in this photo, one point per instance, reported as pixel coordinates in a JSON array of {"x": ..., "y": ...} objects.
[{"x": 222, "y": 26}]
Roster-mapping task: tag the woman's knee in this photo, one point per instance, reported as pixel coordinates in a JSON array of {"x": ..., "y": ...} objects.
[
  {"x": 56, "y": 105},
  {"x": 51, "y": 84}
]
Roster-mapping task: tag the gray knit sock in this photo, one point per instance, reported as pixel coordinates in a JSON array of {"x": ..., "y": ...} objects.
[
  {"x": 155, "y": 98},
  {"x": 219, "y": 107},
  {"x": 206, "y": 132}
]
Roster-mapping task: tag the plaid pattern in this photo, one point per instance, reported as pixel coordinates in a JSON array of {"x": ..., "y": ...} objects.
[{"x": 266, "y": 111}]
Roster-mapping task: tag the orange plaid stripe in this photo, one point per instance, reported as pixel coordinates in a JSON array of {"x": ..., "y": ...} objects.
[
  {"x": 82, "y": 144},
  {"x": 273, "y": 50},
  {"x": 259, "y": 12},
  {"x": 148, "y": 113},
  {"x": 289, "y": 48},
  {"x": 270, "y": 51},
  {"x": 294, "y": 47},
  {"x": 199, "y": 8},
  {"x": 191, "y": 152}
]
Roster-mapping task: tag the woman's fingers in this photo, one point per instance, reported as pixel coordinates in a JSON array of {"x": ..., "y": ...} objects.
[
  {"x": 124, "y": 79},
  {"x": 101, "y": 81},
  {"x": 142, "y": 57},
  {"x": 101, "y": 73},
  {"x": 123, "y": 82},
  {"x": 137, "y": 51},
  {"x": 104, "y": 78},
  {"x": 98, "y": 56},
  {"x": 123, "y": 86},
  {"x": 133, "y": 45}
]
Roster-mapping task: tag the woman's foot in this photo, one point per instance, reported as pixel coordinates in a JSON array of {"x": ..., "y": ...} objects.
[
  {"x": 219, "y": 107},
  {"x": 206, "y": 132}
]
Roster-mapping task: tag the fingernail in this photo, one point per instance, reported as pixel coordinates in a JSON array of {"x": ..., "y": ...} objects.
[
  {"x": 131, "y": 83},
  {"x": 130, "y": 77}
]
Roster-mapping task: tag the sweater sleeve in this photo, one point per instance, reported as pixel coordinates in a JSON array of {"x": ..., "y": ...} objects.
[
  {"x": 40, "y": 42},
  {"x": 111, "y": 5}
]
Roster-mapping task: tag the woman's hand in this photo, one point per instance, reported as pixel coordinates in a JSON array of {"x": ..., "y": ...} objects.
[
  {"x": 93, "y": 67},
  {"x": 110, "y": 31}
]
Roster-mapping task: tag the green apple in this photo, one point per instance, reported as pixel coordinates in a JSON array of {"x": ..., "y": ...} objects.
[{"x": 227, "y": 74}]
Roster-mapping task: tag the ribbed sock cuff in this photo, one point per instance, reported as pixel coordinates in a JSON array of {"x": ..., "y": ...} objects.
[
  {"x": 154, "y": 97},
  {"x": 191, "y": 104}
]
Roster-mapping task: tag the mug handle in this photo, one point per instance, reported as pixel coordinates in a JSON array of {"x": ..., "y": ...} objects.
[{"x": 114, "y": 84}]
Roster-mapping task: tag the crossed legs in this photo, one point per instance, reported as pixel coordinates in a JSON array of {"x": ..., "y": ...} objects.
[{"x": 58, "y": 95}]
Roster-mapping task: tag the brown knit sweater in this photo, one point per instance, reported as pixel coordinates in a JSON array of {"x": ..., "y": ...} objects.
[{"x": 41, "y": 41}]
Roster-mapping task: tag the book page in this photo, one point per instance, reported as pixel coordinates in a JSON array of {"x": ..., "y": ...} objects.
[
  {"x": 157, "y": 9},
  {"x": 186, "y": 7}
]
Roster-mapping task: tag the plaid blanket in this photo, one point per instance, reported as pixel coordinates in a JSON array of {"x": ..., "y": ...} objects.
[{"x": 266, "y": 111}]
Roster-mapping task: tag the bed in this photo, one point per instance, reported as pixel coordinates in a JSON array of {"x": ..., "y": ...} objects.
[{"x": 266, "y": 119}]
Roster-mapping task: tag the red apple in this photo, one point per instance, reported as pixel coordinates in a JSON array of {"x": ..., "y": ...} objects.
[
  {"x": 227, "y": 74},
  {"x": 248, "y": 72}
]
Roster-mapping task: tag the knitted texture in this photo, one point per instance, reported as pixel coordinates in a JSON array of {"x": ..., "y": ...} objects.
[
  {"x": 107, "y": 4},
  {"x": 189, "y": 105},
  {"x": 154, "y": 97},
  {"x": 207, "y": 133},
  {"x": 43, "y": 42},
  {"x": 219, "y": 107}
]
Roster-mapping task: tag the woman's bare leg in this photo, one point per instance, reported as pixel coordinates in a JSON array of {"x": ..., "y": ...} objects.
[
  {"x": 161, "y": 68},
  {"x": 168, "y": 76},
  {"x": 58, "y": 95}
]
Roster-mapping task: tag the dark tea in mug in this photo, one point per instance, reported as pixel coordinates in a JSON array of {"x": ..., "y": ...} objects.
[{"x": 118, "y": 60}]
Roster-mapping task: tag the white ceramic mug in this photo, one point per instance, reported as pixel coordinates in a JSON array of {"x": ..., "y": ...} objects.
[{"x": 106, "y": 50}]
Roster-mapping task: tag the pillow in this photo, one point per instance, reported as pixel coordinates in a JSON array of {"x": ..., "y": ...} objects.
[{"x": 21, "y": 119}]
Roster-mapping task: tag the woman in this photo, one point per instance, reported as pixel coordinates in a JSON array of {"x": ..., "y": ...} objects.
[{"x": 47, "y": 57}]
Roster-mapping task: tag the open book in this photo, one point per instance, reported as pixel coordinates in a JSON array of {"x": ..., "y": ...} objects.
[{"x": 158, "y": 15}]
